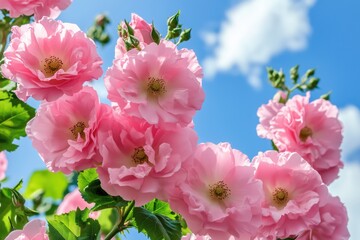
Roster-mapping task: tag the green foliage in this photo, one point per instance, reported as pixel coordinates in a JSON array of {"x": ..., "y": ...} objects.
[
  {"x": 160, "y": 207},
  {"x": 97, "y": 31},
  {"x": 74, "y": 225},
  {"x": 156, "y": 226},
  {"x": 306, "y": 83},
  {"x": 49, "y": 184},
  {"x": 90, "y": 188},
  {"x": 13, "y": 213},
  {"x": 175, "y": 30},
  {"x": 8, "y": 216},
  {"x": 14, "y": 116},
  {"x": 108, "y": 217}
]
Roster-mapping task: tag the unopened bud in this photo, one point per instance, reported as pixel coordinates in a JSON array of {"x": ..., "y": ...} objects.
[
  {"x": 155, "y": 34},
  {"x": 173, "y": 21},
  {"x": 17, "y": 199},
  {"x": 101, "y": 20},
  {"x": 294, "y": 73},
  {"x": 313, "y": 82},
  {"x": 130, "y": 30},
  {"x": 310, "y": 72},
  {"x": 134, "y": 41},
  {"x": 326, "y": 96},
  {"x": 176, "y": 32},
  {"x": 185, "y": 35}
]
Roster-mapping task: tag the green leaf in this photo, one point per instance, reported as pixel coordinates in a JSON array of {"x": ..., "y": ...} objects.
[
  {"x": 90, "y": 188},
  {"x": 156, "y": 226},
  {"x": 159, "y": 207},
  {"x": 10, "y": 215},
  {"x": 108, "y": 217},
  {"x": 73, "y": 226},
  {"x": 14, "y": 116},
  {"x": 52, "y": 185}
]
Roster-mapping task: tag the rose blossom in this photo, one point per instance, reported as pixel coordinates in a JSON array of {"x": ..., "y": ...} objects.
[
  {"x": 64, "y": 131},
  {"x": 40, "y": 8},
  {"x": 192, "y": 236},
  {"x": 3, "y": 165},
  {"x": 333, "y": 224},
  {"x": 293, "y": 191},
  {"x": 159, "y": 83},
  {"x": 311, "y": 129},
  {"x": 50, "y": 58},
  {"x": 74, "y": 200},
  {"x": 142, "y": 32},
  {"x": 141, "y": 161},
  {"x": 220, "y": 196},
  {"x": 33, "y": 230}
]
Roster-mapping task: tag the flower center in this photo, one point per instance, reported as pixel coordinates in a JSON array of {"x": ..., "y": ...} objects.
[
  {"x": 155, "y": 87},
  {"x": 139, "y": 156},
  {"x": 219, "y": 190},
  {"x": 280, "y": 197},
  {"x": 51, "y": 65},
  {"x": 77, "y": 129},
  {"x": 305, "y": 133}
]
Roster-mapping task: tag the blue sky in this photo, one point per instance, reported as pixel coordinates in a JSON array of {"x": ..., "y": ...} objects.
[{"x": 260, "y": 33}]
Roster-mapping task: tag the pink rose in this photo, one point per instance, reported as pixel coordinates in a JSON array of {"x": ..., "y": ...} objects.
[
  {"x": 192, "y": 236},
  {"x": 141, "y": 161},
  {"x": 220, "y": 197},
  {"x": 33, "y": 230},
  {"x": 64, "y": 132},
  {"x": 3, "y": 165},
  {"x": 333, "y": 224},
  {"x": 266, "y": 113},
  {"x": 293, "y": 192},
  {"x": 311, "y": 129},
  {"x": 74, "y": 200},
  {"x": 142, "y": 31},
  {"x": 50, "y": 58},
  {"x": 160, "y": 84},
  {"x": 40, "y": 8}
]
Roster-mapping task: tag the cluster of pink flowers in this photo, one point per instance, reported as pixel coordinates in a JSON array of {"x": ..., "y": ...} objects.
[
  {"x": 49, "y": 58},
  {"x": 38, "y": 8},
  {"x": 311, "y": 129},
  {"x": 145, "y": 147},
  {"x": 33, "y": 230}
]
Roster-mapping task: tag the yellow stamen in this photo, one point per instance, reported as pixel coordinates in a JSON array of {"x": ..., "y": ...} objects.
[
  {"x": 155, "y": 87},
  {"x": 77, "y": 129},
  {"x": 305, "y": 133},
  {"x": 139, "y": 156},
  {"x": 219, "y": 190},
  {"x": 280, "y": 197},
  {"x": 51, "y": 65}
]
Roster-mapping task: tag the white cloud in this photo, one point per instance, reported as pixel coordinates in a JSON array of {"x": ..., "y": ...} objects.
[
  {"x": 350, "y": 116},
  {"x": 346, "y": 186},
  {"x": 254, "y": 32}
]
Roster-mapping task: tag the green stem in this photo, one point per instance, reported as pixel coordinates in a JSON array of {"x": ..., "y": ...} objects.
[
  {"x": 122, "y": 223},
  {"x": 113, "y": 232}
]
